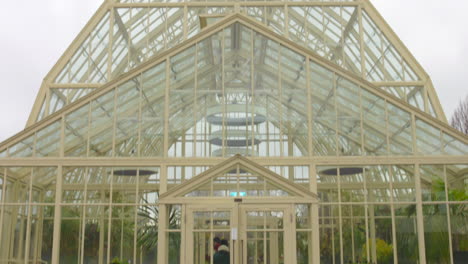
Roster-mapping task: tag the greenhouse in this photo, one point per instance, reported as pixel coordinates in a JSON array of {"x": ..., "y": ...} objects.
[{"x": 283, "y": 132}]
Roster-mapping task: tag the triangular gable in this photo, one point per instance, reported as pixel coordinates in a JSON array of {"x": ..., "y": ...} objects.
[
  {"x": 237, "y": 177},
  {"x": 94, "y": 137},
  {"x": 122, "y": 36}
]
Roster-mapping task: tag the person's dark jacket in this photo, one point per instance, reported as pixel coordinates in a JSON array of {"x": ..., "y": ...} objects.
[{"x": 222, "y": 255}]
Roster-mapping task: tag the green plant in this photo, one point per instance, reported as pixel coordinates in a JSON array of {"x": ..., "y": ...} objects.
[
  {"x": 384, "y": 251},
  {"x": 436, "y": 225},
  {"x": 118, "y": 261},
  {"x": 147, "y": 234}
]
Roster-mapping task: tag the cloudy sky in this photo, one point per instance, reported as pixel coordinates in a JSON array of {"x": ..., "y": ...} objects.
[{"x": 33, "y": 39}]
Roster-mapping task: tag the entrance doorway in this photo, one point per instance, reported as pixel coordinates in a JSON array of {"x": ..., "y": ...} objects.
[
  {"x": 240, "y": 233},
  {"x": 238, "y": 212}
]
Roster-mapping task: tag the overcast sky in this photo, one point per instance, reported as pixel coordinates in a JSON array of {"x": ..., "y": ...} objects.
[{"x": 32, "y": 39}]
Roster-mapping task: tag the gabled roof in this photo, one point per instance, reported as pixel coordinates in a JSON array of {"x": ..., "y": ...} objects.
[
  {"x": 224, "y": 177},
  {"x": 377, "y": 108},
  {"x": 123, "y": 35}
]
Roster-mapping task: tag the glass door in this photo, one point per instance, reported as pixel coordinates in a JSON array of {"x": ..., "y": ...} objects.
[
  {"x": 209, "y": 239},
  {"x": 264, "y": 231},
  {"x": 240, "y": 234}
]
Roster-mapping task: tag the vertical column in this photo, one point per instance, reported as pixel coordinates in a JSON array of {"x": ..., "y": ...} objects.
[
  {"x": 449, "y": 221},
  {"x": 392, "y": 208},
  {"x": 315, "y": 218},
  {"x": 101, "y": 234},
  {"x": 29, "y": 220},
  {"x": 57, "y": 218},
  {"x": 373, "y": 245},
  {"x": 419, "y": 215},
  {"x": 162, "y": 244}
]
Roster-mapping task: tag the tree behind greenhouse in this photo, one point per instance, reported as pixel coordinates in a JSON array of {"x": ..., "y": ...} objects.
[{"x": 460, "y": 117}]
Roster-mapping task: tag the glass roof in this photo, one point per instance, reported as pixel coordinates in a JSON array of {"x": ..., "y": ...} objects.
[
  {"x": 127, "y": 35},
  {"x": 236, "y": 74}
]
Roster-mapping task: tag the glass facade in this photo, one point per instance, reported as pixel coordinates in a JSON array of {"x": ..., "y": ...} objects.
[{"x": 275, "y": 126}]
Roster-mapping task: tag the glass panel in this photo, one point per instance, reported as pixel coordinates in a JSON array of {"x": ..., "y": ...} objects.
[
  {"x": 303, "y": 216},
  {"x": 297, "y": 174},
  {"x": 124, "y": 185},
  {"x": 255, "y": 220},
  {"x": 152, "y": 111},
  {"x": 378, "y": 183},
  {"x": 428, "y": 138},
  {"x": 76, "y": 132},
  {"x": 173, "y": 244},
  {"x": 71, "y": 225},
  {"x": 175, "y": 216},
  {"x": 25, "y": 148},
  {"x": 453, "y": 146},
  {"x": 352, "y": 184},
  {"x": 182, "y": 90},
  {"x": 47, "y": 235},
  {"x": 256, "y": 248},
  {"x": 274, "y": 247},
  {"x": 47, "y": 140},
  {"x": 127, "y": 118},
  {"x": 406, "y": 233},
  {"x": 148, "y": 187},
  {"x": 202, "y": 252},
  {"x": 354, "y": 233},
  {"x": 383, "y": 61},
  {"x": 147, "y": 233},
  {"x": 380, "y": 234},
  {"x": 201, "y": 220},
  {"x": 399, "y": 129},
  {"x": 122, "y": 233},
  {"x": 178, "y": 174},
  {"x": 432, "y": 183},
  {"x": 95, "y": 234},
  {"x": 89, "y": 63},
  {"x": 266, "y": 88},
  {"x": 73, "y": 185},
  {"x": 294, "y": 96},
  {"x": 101, "y": 130},
  {"x": 329, "y": 234},
  {"x": 304, "y": 247},
  {"x": 323, "y": 111},
  {"x": 98, "y": 185},
  {"x": 459, "y": 228},
  {"x": 327, "y": 184},
  {"x": 221, "y": 220},
  {"x": 403, "y": 183},
  {"x": 374, "y": 124},
  {"x": 457, "y": 178},
  {"x": 349, "y": 119},
  {"x": 436, "y": 235},
  {"x": 44, "y": 180},
  {"x": 265, "y": 247}
]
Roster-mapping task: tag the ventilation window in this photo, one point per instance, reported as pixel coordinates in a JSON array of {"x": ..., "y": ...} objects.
[{"x": 208, "y": 19}]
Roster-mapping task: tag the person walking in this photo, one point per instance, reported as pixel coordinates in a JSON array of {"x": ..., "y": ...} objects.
[{"x": 222, "y": 255}]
